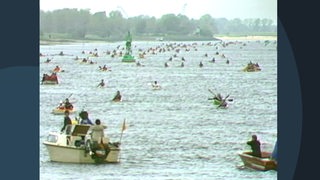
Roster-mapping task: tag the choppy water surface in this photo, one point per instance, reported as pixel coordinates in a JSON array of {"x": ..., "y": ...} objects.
[{"x": 175, "y": 132}]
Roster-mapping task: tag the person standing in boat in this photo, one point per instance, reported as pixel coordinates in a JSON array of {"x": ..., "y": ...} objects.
[
  {"x": 98, "y": 132},
  {"x": 255, "y": 146},
  {"x": 66, "y": 123},
  {"x": 85, "y": 118}
]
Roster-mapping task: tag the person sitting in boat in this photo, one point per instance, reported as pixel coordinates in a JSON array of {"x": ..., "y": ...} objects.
[
  {"x": 84, "y": 60},
  {"x": 68, "y": 105},
  {"x": 53, "y": 77},
  {"x": 255, "y": 146},
  {"x": 56, "y": 69},
  {"x": 104, "y": 68},
  {"x": 85, "y": 118},
  {"x": 101, "y": 84},
  {"x": 44, "y": 77},
  {"x": 48, "y": 60},
  {"x": 66, "y": 123},
  {"x": 97, "y": 130},
  {"x": 117, "y": 97},
  {"x": 200, "y": 64},
  {"x": 156, "y": 85},
  {"x": 218, "y": 97}
]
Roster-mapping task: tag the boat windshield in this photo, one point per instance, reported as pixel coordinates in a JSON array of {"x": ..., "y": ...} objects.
[{"x": 52, "y": 138}]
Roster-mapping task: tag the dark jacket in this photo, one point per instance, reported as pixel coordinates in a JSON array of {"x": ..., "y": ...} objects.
[
  {"x": 86, "y": 121},
  {"x": 67, "y": 121},
  {"x": 255, "y": 147}
]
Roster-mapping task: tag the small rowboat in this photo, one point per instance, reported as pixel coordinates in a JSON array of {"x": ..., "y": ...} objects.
[
  {"x": 263, "y": 163},
  {"x": 52, "y": 79},
  {"x": 50, "y": 82}
]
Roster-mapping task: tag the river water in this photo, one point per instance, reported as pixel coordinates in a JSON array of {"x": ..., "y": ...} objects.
[{"x": 172, "y": 133}]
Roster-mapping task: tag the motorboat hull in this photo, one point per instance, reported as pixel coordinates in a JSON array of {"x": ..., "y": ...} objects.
[
  {"x": 67, "y": 154},
  {"x": 78, "y": 147}
]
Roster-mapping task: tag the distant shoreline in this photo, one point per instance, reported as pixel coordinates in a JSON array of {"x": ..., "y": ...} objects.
[
  {"x": 223, "y": 38},
  {"x": 247, "y": 38}
]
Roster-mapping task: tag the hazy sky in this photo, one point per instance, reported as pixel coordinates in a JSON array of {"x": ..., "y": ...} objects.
[{"x": 229, "y": 9}]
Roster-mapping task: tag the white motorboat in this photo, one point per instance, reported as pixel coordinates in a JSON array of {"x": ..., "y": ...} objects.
[{"x": 78, "y": 147}]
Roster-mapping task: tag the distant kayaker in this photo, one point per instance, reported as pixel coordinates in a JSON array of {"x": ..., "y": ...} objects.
[
  {"x": 156, "y": 85},
  {"x": 200, "y": 64},
  {"x": 57, "y": 69},
  {"x": 101, "y": 84},
  {"x": 67, "y": 104},
  {"x": 255, "y": 146},
  {"x": 117, "y": 97}
]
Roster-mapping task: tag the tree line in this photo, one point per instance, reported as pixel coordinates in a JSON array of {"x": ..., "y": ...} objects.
[{"x": 81, "y": 24}]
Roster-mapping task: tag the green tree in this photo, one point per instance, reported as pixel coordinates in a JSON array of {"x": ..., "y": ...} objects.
[{"x": 207, "y": 25}]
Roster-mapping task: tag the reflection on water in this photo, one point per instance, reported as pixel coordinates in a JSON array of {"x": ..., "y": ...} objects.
[{"x": 175, "y": 132}]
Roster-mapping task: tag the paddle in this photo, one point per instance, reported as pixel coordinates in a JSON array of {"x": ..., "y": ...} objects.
[
  {"x": 69, "y": 96},
  {"x": 223, "y": 101},
  {"x": 216, "y": 96},
  {"x": 101, "y": 84},
  {"x": 211, "y": 92}
]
